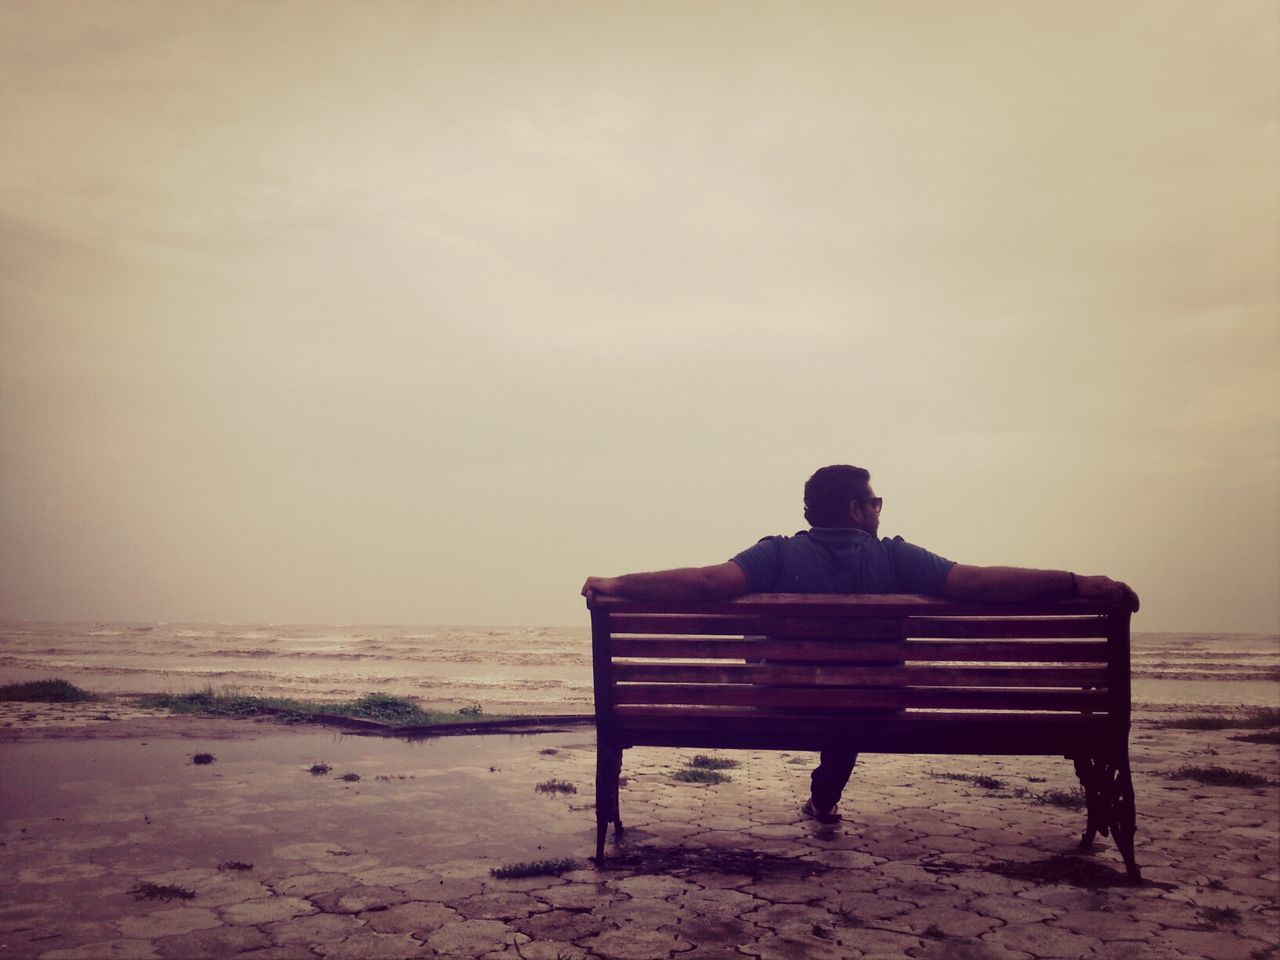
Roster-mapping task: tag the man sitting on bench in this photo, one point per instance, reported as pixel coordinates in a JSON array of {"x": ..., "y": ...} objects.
[{"x": 841, "y": 553}]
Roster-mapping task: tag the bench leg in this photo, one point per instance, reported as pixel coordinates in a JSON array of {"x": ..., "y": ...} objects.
[
  {"x": 1108, "y": 788},
  {"x": 608, "y": 773}
]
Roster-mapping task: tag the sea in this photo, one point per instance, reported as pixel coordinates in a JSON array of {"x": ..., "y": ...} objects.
[{"x": 521, "y": 670}]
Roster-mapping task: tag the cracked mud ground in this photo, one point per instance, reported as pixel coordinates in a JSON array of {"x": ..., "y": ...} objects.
[{"x": 273, "y": 861}]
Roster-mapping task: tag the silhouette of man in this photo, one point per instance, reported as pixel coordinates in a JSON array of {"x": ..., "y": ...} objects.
[{"x": 842, "y": 553}]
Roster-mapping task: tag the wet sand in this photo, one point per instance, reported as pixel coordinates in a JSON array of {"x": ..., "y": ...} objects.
[{"x": 98, "y": 799}]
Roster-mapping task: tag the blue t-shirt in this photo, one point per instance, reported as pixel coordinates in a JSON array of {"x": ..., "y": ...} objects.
[{"x": 841, "y": 560}]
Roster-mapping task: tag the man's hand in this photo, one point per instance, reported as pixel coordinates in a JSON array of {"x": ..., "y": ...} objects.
[
  {"x": 599, "y": 586},
  {"x": 1104, "y": 588},
  {"x": 720, "y": 581}
]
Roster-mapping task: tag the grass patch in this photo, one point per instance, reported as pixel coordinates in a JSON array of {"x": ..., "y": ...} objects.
[
  {"x": 701, "y": 761},
  {"x": 1219, "y": 776},
  {"x": 319, "y": 769},
  {"x": 235, "y": 865},
  {"x": 1074, "y": 799},
  {"x": 705, "y": 769},
  {"x": 977, "y": 779},
  {"x": 1215, "y": 916},
  {"x": 556, "y": 786},
  {"x": 1262, "y": 736},
  {"x": 203, "y": 759},
  {"x": 350, "y": 777},
  {"x": 847, "y": 918},
  {"x": 698, "y": 775},
  {"x": 1071, "y": 799},
  {"x": 534, "y": 868},
  {"x": 381, "y": 707},
  {"x": 1263, "y": 718},
  {"x": 45, "y": 691},
  {"x": 161, "y": 891}
]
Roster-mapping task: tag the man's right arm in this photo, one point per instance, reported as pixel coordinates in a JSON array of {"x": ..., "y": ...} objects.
[
  {"x": 721, "y": 581},
  {"x": 1022, "y": 584}
]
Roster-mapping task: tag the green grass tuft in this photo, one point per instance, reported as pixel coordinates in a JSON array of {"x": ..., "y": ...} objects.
[
  {"x": 977, "y": 779},
  {"x": 556, "y": 786},
  {"x": 534, "y": 868},
  {"x": 1198, "y": 723},
  {"x": 45, "y": 691},
  {"x": 1214, "y": 916},
  {"x": 1071, "y": 799},
  {"x": 380, "y": 707},
  {"x": 1262, "y": 736},
  {"x": 161, "y": 891},
  {"x": 1262, "y": 718},
  {"x": 1219, "y": 776},
  {"x": 698, "y": 775},
  {"x": 703, "y": 762}
]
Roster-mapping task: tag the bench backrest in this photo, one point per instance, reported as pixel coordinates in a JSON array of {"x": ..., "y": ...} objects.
[{"x": 889, "y": 673}]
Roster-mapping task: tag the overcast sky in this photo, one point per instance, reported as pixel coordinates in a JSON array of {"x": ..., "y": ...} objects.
[{"x": 421, "y": 312}]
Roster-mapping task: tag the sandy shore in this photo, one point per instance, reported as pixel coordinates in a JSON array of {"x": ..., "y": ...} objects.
[{"x": 99, "y": 799}]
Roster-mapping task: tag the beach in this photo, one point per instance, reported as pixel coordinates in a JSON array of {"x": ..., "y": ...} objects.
[{"x": 308, "y": 841}]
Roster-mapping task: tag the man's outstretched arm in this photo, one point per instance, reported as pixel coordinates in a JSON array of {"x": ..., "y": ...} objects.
[
  {"x": 721, "y": 581},
  {"x": 1015, "y": 584}
]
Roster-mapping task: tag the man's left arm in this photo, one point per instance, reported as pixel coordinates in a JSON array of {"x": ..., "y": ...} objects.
[
  {"x": 1023, "y": 584},
  {"x": 720, "y": 581}
]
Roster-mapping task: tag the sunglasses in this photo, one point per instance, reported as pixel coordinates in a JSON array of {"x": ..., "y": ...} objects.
[{"x": 876, "y": 502}]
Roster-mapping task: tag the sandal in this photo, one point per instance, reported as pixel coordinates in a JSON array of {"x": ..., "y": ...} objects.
[{"x": 829, "y": 816}]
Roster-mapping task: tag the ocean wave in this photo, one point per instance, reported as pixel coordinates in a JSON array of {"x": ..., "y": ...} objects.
[
  {"x": 489, "y": 665},
  {"x": 1173, "y": 673}
]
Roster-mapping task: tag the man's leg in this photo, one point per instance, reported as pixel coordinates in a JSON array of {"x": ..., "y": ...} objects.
[{"x": 830, "y": 776}]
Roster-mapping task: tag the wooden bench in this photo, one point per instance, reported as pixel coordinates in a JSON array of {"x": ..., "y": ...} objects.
[{"x": 872, "y": 673}]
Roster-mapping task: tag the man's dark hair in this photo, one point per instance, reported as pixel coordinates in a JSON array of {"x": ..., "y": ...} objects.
[{"x": 828, "y": 492}]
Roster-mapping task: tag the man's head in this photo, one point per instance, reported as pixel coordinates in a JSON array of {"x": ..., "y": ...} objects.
[{"x": 841, "y": 496}]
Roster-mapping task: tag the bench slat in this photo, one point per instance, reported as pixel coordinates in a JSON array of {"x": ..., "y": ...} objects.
[
  {"x": 930, "y": 676},
  {"x": 1007, "y": 628},
  {"x": 850, "y": 629},
  {"x": 724, "y": 625},
  {"x": 942, "y": 732},
  {"x": 853, "y": 605},
  {"x": 994, "y": 651},
  {"x": 862, "y": 698},
  {"x": 643, "y": 714}
]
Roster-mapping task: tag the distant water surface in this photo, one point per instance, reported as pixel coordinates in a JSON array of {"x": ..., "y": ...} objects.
[{"x": 507, "y": 669}]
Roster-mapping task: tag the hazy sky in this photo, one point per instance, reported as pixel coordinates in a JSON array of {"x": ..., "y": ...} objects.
[{"x": 421, "y": 312}]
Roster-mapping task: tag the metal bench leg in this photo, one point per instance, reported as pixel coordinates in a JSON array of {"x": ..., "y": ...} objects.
[
  {"x": 1108, "y": 788},
  {"x": 1124, "y": 825},
  {"x": 617, "y": 803},
  {"x": 608, "y": 772}
]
